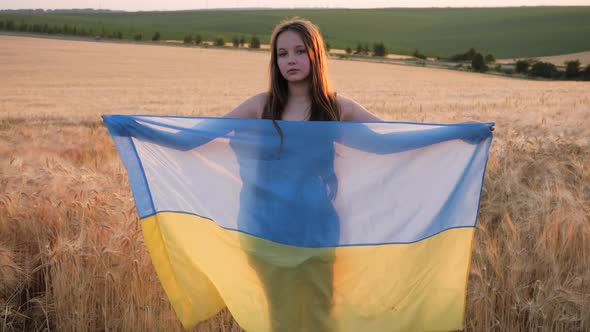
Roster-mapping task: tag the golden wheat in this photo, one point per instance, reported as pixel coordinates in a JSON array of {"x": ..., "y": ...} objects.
[{"x": 72, "y": 256}]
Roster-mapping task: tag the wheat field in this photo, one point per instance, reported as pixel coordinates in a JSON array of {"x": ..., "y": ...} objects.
[{"x": 72, "y": 256}]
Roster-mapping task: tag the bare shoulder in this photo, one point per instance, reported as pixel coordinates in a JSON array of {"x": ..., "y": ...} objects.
[
  {"x": 250, "y": 108},
  {"x": 261, "y": 97},
  {"x": 353, "y": 111}
]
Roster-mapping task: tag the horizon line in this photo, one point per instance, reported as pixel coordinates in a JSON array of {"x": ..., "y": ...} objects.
[{"x": 285, "y": 8}]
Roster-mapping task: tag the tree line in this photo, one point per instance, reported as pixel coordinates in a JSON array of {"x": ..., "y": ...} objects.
[
  {"x": 479, "y": 62},
  {"x": 533, "y": 67},
  {"x": 66, "y": 29},
  {"x": 237, "y": 42},
  {"x": 528, "y": 67},
  {"x": 378, "y": 49}
]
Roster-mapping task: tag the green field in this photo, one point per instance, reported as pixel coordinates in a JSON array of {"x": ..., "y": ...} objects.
[{"x": 504, "y": 32}]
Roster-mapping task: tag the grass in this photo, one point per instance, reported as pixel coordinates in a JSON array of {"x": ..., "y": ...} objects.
[
  {"x": 71, "y": 251},
  {"x": 505, "y": 32}
]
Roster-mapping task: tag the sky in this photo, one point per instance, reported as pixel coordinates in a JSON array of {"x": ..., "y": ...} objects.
[{"x": 147, "y": 5}]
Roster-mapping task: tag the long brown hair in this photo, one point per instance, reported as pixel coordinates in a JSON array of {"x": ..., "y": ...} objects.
[{"x": 323, "y": 101}]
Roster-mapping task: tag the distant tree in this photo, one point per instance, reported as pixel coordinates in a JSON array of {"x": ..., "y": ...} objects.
[
  {"x": 188, "y": 39},
  {"x": 366, "y": 49},
  {"x": 255, "y": 42},
  {"x": 379, "y": 49},
  {"x": 586, "y": 73},
  {"x": 66, "y": 29},
  {"x": 544, "y": 69},
  {"x": 156, "y": 36},
  {"x": 467, "y": 56},
  {"x": 198, "y": 39},
  {"x": 522, "y": 66},
  {"x": 1, "y": 25},
  {"x": 235, "y": 42},
  {"x": 419, "y": 55},
  {"x": 359, "y": 49},
  {"x": 348, "y": 50},
  {"x": 470, "y": 54},
  {"x": 478, "y": 64},
  {"x": 220, "y": 41},
  {"x": 118, "y": 35},
  {"x": 10, "y": 25},
  {"x": 242, "y": 41},
  {"x": 23, "y": 26},
  {"x": 328, "y": 47},
  {"x": 490, "y": 58},
  {"x": 572, "y": 68},
  {"x": 138, "y": 36}
]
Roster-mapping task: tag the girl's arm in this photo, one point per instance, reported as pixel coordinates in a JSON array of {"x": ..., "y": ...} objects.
[
  {"x": 184, "y": 138},
  {"x": 361, "y": 137},
  {"x": 250, "y": 108},
  {"x": 353, "y": 111}
]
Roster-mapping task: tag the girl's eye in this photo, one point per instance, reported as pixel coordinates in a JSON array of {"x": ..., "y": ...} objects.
[{"x": 297, "y": 51}]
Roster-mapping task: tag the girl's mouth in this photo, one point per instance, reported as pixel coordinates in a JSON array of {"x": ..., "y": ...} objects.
[{"x": 292, "y": 71}]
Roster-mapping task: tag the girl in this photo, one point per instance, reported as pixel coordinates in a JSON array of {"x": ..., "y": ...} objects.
[
  {"x": 300, "y": 296},
  {"x": 299, "y": 88}
]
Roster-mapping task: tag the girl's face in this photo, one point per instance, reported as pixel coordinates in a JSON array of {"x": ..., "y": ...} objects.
[{"x": 292, "y": 57}]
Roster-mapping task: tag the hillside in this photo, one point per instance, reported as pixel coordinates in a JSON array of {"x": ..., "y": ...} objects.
[{"x": 505, "y": 32}]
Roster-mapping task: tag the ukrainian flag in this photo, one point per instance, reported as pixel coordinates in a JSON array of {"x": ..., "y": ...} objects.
[{"x": 338, "y": 226}]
